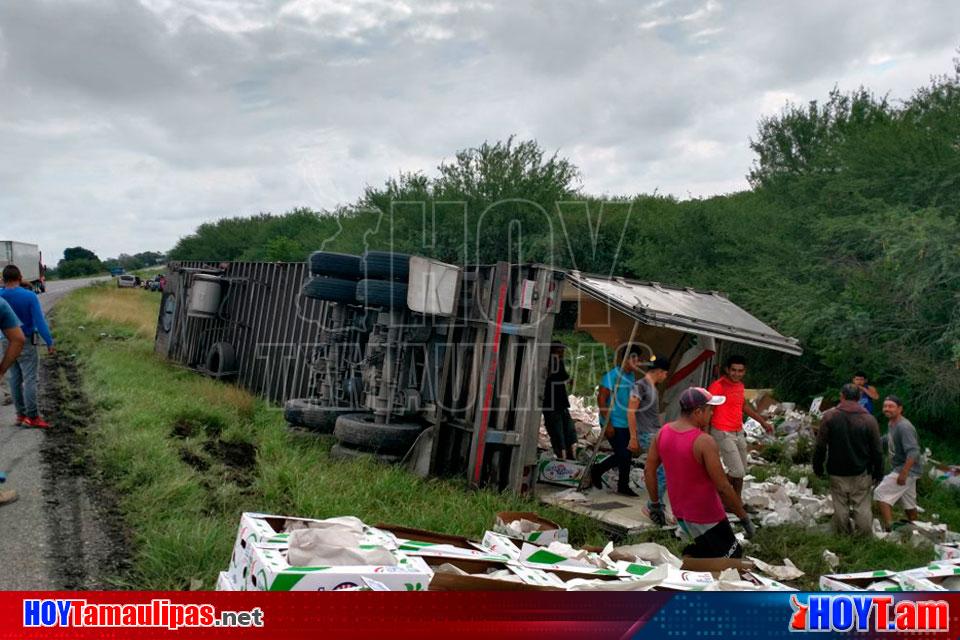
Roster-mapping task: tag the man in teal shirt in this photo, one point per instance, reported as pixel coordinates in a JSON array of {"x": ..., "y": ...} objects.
[{"x": 613, "y": 400}]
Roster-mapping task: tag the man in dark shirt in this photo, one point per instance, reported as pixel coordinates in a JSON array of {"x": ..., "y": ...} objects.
[
  {"x": 849, "y": 442},
  {"x": 556, "y": 406}
]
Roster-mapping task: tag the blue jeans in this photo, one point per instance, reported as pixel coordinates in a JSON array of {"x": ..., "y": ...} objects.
[
  {"x": 22, "y": 378},
  {"x": 645, "y": 439}
]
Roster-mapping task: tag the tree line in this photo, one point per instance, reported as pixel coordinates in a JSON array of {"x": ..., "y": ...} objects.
[
  {"x": 79, "y": 261},
  {"x": 849, "y": 237}
]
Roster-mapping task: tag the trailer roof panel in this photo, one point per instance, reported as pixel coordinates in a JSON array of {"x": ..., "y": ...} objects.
[{"x": 703, "y": 312}]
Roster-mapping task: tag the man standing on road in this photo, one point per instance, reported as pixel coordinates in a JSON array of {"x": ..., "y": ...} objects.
[
  {"x": 13, "y": 341},
  {"x": 868, "y": 392},
  {"x": 556, "y": 405},
  {"x": 900, "y": 485},
  {"x": 849, "y": 441},
  {"x": 726, "y": 426},
  {"x": 696, "y": 482},
  {"x": 23, "y": 374},
  {"x": 643, "y": 415},
  {"x": 613, "y": 400}
]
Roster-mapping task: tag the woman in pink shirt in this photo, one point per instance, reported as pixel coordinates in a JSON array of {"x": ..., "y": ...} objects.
[{"x": 696, "y": 481}]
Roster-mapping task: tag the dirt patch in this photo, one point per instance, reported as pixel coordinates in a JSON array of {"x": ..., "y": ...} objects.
[
  {"x": 87, "y": 538},
  {"x": 237, "y": 455},
  {"x": 192, "y": 459},
  {"x": 183, "y": 429},
  {"x": 195, "y": 423}
]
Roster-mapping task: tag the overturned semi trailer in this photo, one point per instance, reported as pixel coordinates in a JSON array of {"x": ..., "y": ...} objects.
[
  {"x": 383, "y": 347},
  {"x": 408, "y": 358}
]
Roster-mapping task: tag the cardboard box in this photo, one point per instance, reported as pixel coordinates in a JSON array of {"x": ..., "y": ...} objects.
[
  {"x": 441, "y": 548},
  {"x": 225, "y": 583},
  {"x": 565, "y": 473},
  {"x": 269, "y": 571},
  {"x": 536, "y": 577},
  {"x": 930, "y": 578},
  {"x": 716, "y": 565},
  {"x": 452, "y": 582},
  {"x": 423, "y": 535},
  {"x": 548, "y": 531},
  {"x": 856, "y": 581},
  {"x": 534, "y": 557},
  {"x": 260, "y": 529},
  {"x": 764, "y": 581},
  {"x": 683, "y": 580},
  {"x": 947, "y": 550},
  {"x": 500, "y": 544},
  {"x": 471, "y": 561}
]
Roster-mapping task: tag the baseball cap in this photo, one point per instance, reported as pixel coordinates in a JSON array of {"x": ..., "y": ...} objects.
[
  {"x": 696, "y": 397},
  {"x": 659, "y": 362}
]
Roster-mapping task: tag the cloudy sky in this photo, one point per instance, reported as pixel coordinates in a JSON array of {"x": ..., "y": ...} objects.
[{"x": 125, "y": 123}]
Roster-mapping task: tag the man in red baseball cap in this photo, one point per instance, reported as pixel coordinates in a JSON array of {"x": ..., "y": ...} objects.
[{"x": 696, "y": 483}]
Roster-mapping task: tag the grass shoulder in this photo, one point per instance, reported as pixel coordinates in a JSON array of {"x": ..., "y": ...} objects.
[{"x": 188, "y": 454}]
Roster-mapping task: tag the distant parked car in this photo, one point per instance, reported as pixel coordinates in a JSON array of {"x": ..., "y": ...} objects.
[{"x": 126, "y": 280}]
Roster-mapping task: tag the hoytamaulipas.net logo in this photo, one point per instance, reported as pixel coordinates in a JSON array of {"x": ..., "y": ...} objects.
[
  {"x": 156, "y": 613},
  {"x": 868, "y": 612}
]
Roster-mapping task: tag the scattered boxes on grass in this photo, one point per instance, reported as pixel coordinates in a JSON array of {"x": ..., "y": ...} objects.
[{"x": 523, "y": 552}]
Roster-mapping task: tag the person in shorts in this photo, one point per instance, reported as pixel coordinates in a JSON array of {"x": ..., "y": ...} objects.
[
  {"x": 556, "y": 405},
  {"x": 643, "y": 413},
  {"x": 900, "y": 485},
  {"x": 726, "y": 427},
  {"x": 700, "y": 492}
]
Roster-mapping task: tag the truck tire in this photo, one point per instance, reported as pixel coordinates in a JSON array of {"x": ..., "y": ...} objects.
[
  {"x": 382, "y": 293},
  {"x": 221, "y": 361},
  {"x": 386, "y": 265},
  {"x": 302, "y": 412},
  {"x": 343, "y": 452},
  {"x": 360, "y": 431},
  {"x": 331, "y": 289},
  {"x": 339, "y": 265}
]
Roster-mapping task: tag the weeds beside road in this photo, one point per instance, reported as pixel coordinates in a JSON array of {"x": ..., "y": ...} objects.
[{"x": 187, "y": 454}]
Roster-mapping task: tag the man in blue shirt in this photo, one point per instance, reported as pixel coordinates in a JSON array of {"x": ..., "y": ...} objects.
[
  {"x": 868, "y": 393},
  {"x": 23, "y": 374},
  {"x": 13, "y": 341},
  {"x": 613, "y": 400}
]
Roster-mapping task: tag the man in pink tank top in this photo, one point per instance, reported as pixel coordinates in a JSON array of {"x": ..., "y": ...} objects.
[{"x": 696, "y": 483}]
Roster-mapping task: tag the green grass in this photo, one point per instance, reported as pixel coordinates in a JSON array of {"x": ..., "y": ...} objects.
[
  {"x": 184, "y": 519},
  {"x": 156, "y": 422}
]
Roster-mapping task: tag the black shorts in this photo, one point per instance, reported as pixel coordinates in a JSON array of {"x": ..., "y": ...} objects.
[{"x": 717, "y": 542}]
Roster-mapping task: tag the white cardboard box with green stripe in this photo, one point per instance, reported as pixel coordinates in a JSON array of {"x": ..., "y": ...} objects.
[
  {"x": 270, "y": 571},
  {"x": 529, "y": 527},
  {"x": 857, "y": 581},
  {"x": 260, "y": 529},
  {"x": 225, "y": 582},
  {"x": 937, "y": 576}
]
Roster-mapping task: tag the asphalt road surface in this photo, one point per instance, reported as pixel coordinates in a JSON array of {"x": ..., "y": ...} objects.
[{"x": 29, "y": 538}]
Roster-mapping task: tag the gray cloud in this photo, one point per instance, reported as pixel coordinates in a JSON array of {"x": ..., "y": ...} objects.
[{"x": 125, "y": 124}]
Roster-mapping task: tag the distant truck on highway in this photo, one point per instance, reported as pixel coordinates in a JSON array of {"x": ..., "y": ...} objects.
[{"x": 27, "y": 257}]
